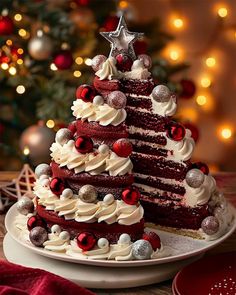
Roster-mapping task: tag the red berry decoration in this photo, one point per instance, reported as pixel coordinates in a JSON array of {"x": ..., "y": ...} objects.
[
  {"x": 201, "y": 166},
  {"x": 34, "y": 221},
  {"x": 188, "y": 89},
  {"x": 84, "y": 144},
  {"x": 122, "y": 147},
  {"x": 72, "y": 127},
  {"x": 193, "y": 129},
  {"x": 57, "y": 186},
  {"x": 124, "y": 62},
  {"x": 86, "y": 241},
  {"x": 153, "y": 239},
  {"x": 6, "y": 25},
  {"x": 63, "y": 60},
  {"x": 130, "y": 195},
  {"x": 175, "y": 131},
  {"x": 86, "y": 93}
]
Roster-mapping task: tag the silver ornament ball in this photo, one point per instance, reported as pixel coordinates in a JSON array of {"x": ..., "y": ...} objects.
[
  {"x": 161, "y": 93},
  {"x": 38, "y": 235},
  {"x": 25, "y": 205},
  {"x": 88, "y": 193},
  {"x": 43, "y": 169},
  {"x": 210, "y": 225},
  {"x": 146, "y": 59},
  {"x": 97, "y": 62},
  {"x": 195, "y": 178},
  {"x": 40, "y": 47},
  {"x": 142, "y": 250},
  {"x": 116, "y": 100},
  {"x": 63, "y": 135}
]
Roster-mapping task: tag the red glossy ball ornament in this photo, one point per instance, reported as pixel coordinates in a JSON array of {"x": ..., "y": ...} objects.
[
  {"x": 72, "y": 127},
  {"x": 153, "y": 239},
  {"x": 201, "y": 166},
  {"x": 188, "y": 89},
  {"x": 122, "y": 147},
  {"x": 63, "y": 60},
  {"x": 86, "y": 93},
  {"x": 86, "y": 241},
  {"x": 123, "y": 62},
  {"x": 193, "y": 129},
  {"x": 130, "y": 195},
  {"x": 175, "y": 131},
  {"x": 84, "y": 144},
  {"x": 34, "y": 221},
  {"x": 6, "y": 25},
  {"x": 57, "y": 186}
]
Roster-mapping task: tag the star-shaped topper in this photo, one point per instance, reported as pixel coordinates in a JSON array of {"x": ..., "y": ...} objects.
[{"x": 122, "y": 39}]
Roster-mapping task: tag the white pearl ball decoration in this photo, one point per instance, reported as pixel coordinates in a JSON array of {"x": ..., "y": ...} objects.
[
  {"x": 55, "y": 229},
  {"x": 124, "y": 239},
  {"x": 25, "y": 206},
  {"x": 63, "y": 136},
  {"x": 98, "y": 100},
  {"x": 97, "y": 62},
  {"x": 108, "y": 199},
  {"x": 195, "y": 178},
  {"x": 38, "y": 235},
  {"x": 102, "y": 243},
  {"x": 67, "y": 193},
  {"x": 88, "y": 193},
  {"x": 210, "y": 225},
  {"x": 142, "y": 250},
  {"x": 64, "y": 235},
  {"x": 43, "y": 169},
  {"x": 161, "y": 93},
  {"x": 103, "y": 148}
]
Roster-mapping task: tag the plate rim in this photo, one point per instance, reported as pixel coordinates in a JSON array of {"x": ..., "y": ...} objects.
[{"x": 109, "y": 263}]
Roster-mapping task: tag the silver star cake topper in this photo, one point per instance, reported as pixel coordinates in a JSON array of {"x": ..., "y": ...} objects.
[{"x": 122, "y": 39}]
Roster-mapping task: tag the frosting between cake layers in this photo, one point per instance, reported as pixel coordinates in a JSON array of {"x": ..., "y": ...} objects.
[
  {"x": 93, "y": 163},
  {"x": 103, "y": 114}
]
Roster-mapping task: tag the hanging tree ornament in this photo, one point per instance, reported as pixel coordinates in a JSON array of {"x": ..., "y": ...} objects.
[
  {"x": 40, "y": 47},
  {"x": 122, "y": 40}
]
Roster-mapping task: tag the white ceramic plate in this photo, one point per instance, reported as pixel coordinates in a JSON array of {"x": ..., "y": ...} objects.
[{"x": 182, "y": 247}]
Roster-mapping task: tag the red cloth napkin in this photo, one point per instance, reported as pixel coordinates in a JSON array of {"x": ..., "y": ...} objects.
[{"x": 18, "y": 280}]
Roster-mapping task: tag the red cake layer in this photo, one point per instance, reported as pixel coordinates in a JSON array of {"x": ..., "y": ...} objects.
[
  {"x": 101, "y": 230},
  {"x": 158, "y": 166},
  {"x": 105, "y": 134},
  {"x": 139, "y": 87},
  {"x": 180, "y": 217},
  {"x": 148, "y": 150},
  {"x": 104, "y": 183},
  {"x": 139, "y": 102},
  {"x": 104, "y": 87}
]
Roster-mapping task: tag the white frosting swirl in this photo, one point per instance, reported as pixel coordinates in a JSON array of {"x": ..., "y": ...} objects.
[
  {"x": 129, "y": 214},
  {"x": 45, "y": 195},
  {"x": 138, "y": 71},
  {"x": 93, "y": 163},
  {"x": 86, "y": 212},
  {"x": 66, "y": 208},
  {"x": 103, "y": 114},
  {"x": 108, "y": 70},
  {"x": 164, "y": 108},
  {"x": 55, "y": 243},
  {"x": 200, "y": 195}
]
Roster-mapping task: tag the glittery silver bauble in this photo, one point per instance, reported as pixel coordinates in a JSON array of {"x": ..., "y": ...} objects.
[
  {"x": 40, "y": 47},
  {"x": 67, "y": 193},
  {"x": 98, "y": 100},
  {"x": 146, "y": 59},
  {"x": 25, "y": 205},
  {"x": 43, "y": 169},
  {"x": 116, "y": 100},
  {"x": 37, "y": 139},
  {"x": 102, "y": 243},
  {"x": 195, "y": 178},
  {"x": 88, "y": 193},
  {"x": 63, "y": 135},
  {"x": 103, "y": 148},
  {"x": 38, "y": 235},
  {"x": 210, "y": 225},
  {"x": 161, "y": 93},
  {"x": 108, "y": 199},
  {"x": 142, "y": 250},
  {"x": 97, "y": 62}
]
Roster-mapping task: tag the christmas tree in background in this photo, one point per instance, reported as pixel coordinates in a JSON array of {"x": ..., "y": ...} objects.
[{"x": 45, "y": 52}]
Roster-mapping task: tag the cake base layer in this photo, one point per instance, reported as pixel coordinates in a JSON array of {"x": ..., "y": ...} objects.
[
  {"x": 104, "y": 183},
  {"x": 175, "y": 217},
  {"x": 111, "y": 232}
]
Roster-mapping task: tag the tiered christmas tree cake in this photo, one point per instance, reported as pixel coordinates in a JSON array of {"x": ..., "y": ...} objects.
[{"x": 122, "y": 159}]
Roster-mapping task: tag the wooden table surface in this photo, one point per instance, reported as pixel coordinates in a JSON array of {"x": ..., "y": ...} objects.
[{"x": 227, "y": 184}]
